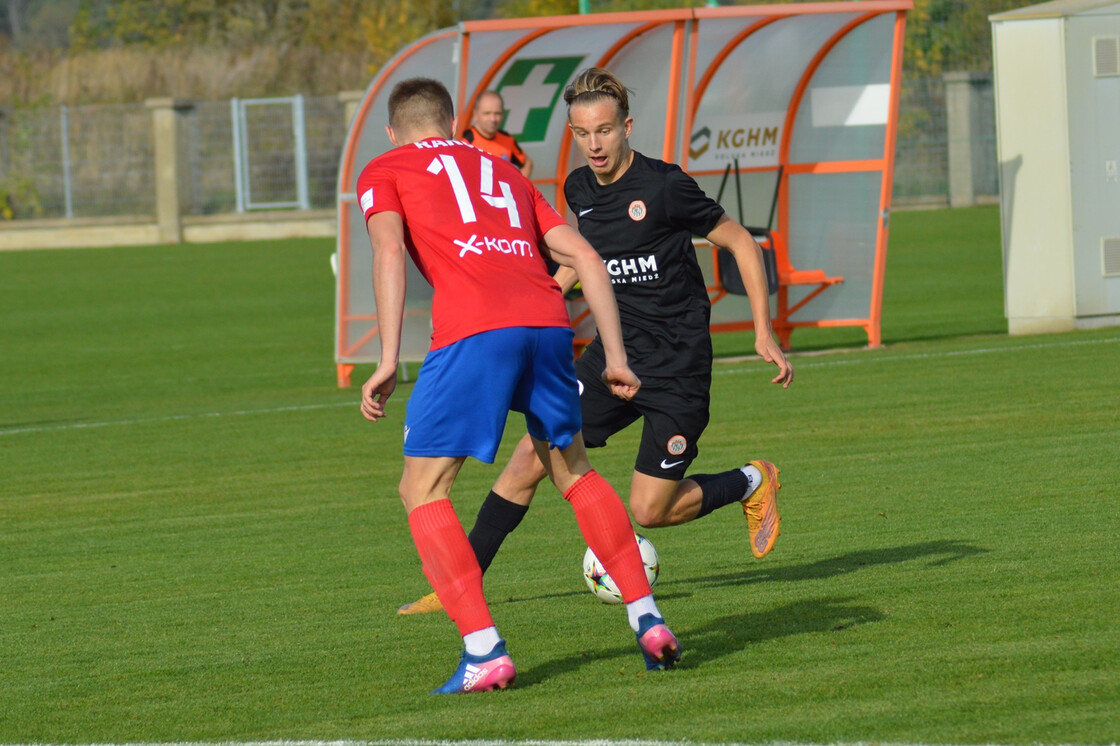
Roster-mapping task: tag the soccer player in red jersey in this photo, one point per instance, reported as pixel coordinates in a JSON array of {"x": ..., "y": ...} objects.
[
  {"x": 501, "y": 341},
  {"x": 640, "y": 214}
]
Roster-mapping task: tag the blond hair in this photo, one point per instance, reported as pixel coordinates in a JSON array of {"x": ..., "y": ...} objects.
[{"x": 596, "y": 84}]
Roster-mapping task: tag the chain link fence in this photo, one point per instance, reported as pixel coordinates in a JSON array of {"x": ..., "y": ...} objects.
[
  {"x": 83, "y": 161},
  {"x": 98, "y": 160},
  {"x": 95, "y": 161},
  {"x": 92, "y": 161},
  {"x": 267, "y": 157},
  {"x": 925, "y": 142}
]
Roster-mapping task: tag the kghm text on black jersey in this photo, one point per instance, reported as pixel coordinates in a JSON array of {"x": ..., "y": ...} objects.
[{"x": 632, "y": 270}]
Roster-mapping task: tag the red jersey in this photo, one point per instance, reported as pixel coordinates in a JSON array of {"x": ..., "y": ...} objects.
[
  {"x": 502, "y": 144},
  {"x": 473, "y": 226}
]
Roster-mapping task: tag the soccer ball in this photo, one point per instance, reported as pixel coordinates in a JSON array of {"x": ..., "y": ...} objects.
[{"x": 601, "y": 584}]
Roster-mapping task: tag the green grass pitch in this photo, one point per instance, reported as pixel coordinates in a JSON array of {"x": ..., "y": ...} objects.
[{"x": 201, "y": 540}]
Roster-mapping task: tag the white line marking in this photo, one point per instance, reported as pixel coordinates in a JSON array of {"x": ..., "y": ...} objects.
[
  {"x": 871, "y": 356},
  {"x": 172, "y": 418},
  {"x": 864, "y": 356},
  {"x": 490, "y": 742}
]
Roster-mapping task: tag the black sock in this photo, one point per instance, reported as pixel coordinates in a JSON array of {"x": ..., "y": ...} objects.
[
  {"x": 496, "y": 519},
  {"x": 718, "y": 490}
]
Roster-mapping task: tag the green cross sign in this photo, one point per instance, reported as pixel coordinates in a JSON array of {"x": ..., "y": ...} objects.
[{"x": 530, "y": 88}]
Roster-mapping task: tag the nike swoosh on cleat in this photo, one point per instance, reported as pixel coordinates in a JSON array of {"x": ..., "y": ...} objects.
[{"x": 666, "y": 465}]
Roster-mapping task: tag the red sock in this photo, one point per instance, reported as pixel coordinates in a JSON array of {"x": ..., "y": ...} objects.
[
  {"x": 450, "y": 565},
  {"x": 606, "y": 528}
]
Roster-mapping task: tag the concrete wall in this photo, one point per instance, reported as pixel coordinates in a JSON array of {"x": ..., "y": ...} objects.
[
  {"x": 970, "y": 113},
  {"x": 123, "y": 231}
]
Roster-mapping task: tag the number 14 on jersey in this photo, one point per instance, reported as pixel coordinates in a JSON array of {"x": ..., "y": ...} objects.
[{"x": 445, "y": 163}]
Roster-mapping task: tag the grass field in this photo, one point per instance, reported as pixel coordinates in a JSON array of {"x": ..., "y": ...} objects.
[{"x": 200, "y": 538}]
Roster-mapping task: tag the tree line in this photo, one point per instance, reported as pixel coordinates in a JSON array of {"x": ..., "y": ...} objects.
[{"x": 336, "y": 44}]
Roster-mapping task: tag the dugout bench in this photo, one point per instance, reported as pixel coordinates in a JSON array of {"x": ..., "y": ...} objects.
[{"x": 781, "y": 275}]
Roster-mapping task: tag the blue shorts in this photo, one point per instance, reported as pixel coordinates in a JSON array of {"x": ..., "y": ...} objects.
[{"x": 466, "y": 390}]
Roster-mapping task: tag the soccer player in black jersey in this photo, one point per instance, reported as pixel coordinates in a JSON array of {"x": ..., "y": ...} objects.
[{"x": 640, "y": 215}]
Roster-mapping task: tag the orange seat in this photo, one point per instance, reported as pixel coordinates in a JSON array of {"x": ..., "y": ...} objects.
[
  {"x": 776, "y": 256},
  {"x": 781, "y": 275},
  {"x": 789, "y": 276}
]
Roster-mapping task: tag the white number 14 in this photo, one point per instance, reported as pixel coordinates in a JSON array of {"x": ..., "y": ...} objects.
[{"x": 445, "y": 163}]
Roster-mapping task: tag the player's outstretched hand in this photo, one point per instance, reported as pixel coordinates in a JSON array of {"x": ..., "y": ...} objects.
[
  {"x": 376, "y": 391},
  {"x": 622, "y": 382},
  {"x": 769, "y": 351}
]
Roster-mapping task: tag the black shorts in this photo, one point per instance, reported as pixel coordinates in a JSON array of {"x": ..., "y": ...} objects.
[{"x": 674, "y": 413}]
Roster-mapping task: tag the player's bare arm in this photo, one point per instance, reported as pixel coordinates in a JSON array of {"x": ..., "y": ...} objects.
[
  {"x": 570, "y": 249},
  {"x": 748, "y": 257},
  {"x": 386, "y": 236},
  {"x": 566, "y": 277}
]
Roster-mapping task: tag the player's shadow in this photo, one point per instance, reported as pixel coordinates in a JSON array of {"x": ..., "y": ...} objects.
[
  {"x": 725, "y": 635},
  {"x": 728, "y": 634},
  {"x": 937, "y": 552}
]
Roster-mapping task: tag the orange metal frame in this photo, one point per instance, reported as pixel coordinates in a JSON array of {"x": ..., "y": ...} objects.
[
  {"x": 667, "y": 150},
  {"x": 346, "y": 177},
  {"x": 713, "y": 68},
  {"x": 788, "y": 275},
  {"x": 649, "y": 20},
  {"x": 874, "y": 330},
  {"x": 783, "y": 325}
]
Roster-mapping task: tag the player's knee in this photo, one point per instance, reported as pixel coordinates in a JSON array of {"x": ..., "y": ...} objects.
[
  {"x": 412, "y": 493},
  {"x": 519, "y": 479},
  {"x": 525, "y": 456},
  {"x": 646, "y": 514},
  {"x": 526, "y": 465}
]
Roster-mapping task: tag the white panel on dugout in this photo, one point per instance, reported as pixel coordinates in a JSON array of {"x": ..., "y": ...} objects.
[
  {"x": 802, "y": 97},
  {"x": 1057, "y": 92}
]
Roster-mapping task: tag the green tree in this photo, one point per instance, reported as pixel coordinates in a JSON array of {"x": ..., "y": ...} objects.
[
  {"x": 534, "y": 8},
  {"x": 951, "y": 35},
  {"x": 392, "y": 24}
]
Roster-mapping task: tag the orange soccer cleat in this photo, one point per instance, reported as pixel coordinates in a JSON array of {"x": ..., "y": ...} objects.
[
  {"x": 761, "y": 510},
  {"x": 425, "y": 605}
]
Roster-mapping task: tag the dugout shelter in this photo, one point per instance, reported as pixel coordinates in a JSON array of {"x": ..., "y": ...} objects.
[{"x": 787, "y": 114}]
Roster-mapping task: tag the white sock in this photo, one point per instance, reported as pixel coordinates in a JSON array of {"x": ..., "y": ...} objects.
[
  {"x": 635, "y": 610},
  {"x": 482, "y": 641},
  {"x": 754, "y": 478}
]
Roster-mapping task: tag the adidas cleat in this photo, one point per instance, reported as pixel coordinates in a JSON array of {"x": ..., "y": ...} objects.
[
  {"x": 481, "y": 673},
  {"x": 658, "y": 644}
]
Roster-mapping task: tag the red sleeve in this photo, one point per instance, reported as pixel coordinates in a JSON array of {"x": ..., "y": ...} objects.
[
  {"x": 377, "y": 190},
  {"x": 547, "y": 217}
]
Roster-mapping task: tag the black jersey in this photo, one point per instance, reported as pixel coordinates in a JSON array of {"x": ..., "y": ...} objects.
[{"x": 642, "y": 225}]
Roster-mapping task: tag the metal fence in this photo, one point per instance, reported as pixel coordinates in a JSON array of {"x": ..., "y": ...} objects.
[
  {"x": 922, "y": 169},
  {"x": 272, "y": 157},
  {"x": 93, "y": 161},
  {"x": 83, "y": 161}
]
